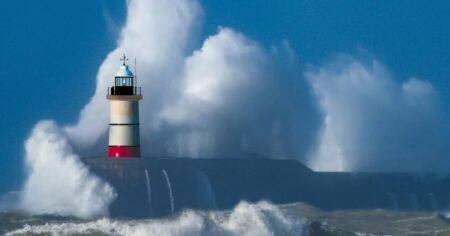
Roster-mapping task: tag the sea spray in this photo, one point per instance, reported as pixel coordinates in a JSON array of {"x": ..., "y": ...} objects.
[
  {"x": 57, "y": 181},
  {"x": 169, "y": 187},
  {"x": 258, "y": 219}
]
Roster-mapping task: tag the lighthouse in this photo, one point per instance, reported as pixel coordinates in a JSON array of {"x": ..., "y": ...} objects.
[{"x": 124, "y": 96}]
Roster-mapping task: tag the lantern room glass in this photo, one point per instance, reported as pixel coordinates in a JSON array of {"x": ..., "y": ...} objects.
[{"x": 124, "y": 81}]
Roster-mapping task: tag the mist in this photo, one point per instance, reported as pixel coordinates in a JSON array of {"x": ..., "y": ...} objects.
[
  {"x": 372, "y": 122},
  {"x": 231, "y": 96}
]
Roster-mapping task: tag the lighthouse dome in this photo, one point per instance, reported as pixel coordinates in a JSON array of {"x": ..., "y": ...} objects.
[{"x": 124, "y": 71}]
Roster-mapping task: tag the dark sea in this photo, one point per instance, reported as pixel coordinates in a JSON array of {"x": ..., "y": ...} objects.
[{"x": 256, "y": 219}]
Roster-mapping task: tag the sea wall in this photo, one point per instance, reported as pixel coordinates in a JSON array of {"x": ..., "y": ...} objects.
[{"x": 154, "y": 187}]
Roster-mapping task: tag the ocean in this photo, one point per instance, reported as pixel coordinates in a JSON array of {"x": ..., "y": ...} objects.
[{"x": 259, "y": 219}]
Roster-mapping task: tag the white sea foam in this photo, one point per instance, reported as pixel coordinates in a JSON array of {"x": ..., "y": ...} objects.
[{"x": 245, "y": 219}]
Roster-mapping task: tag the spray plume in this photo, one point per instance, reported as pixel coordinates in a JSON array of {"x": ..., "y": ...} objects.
[
  {"x": 58, "y": 183},
  {"x": 373, "y": 123}
]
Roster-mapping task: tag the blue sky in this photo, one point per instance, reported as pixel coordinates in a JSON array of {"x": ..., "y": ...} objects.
[{"x": 51, "y": 50}]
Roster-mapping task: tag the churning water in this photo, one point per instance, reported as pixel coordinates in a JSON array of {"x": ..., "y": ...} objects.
[
  {"x": 245, "y": 219},
  {"x": 249, "y": 219}
]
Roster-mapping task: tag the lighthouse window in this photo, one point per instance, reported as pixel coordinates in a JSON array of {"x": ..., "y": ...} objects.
[{"x": 124, "y": 81}]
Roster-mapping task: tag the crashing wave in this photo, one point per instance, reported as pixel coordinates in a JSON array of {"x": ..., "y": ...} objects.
[
  {"x": 58, "y": 182},
  {"x": 257, "y": 219}
]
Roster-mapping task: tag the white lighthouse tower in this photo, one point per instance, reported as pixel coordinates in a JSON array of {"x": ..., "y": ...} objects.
[{"x": 124, "y": 96}]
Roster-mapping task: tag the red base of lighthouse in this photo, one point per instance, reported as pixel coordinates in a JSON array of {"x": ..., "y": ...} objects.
[{"x": 123, "y": 151}]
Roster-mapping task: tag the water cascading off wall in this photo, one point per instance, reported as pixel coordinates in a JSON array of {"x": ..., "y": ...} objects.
[{"x": 169, "y": 186}]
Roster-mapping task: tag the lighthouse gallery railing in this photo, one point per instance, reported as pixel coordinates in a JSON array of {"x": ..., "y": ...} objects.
[{"x": 124, "y": 90}]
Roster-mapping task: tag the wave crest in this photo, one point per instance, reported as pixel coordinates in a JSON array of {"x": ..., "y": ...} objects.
[{"x": 259, "y": 219}]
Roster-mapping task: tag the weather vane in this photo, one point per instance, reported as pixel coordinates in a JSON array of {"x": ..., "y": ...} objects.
[{"x": 124, "y": 59}]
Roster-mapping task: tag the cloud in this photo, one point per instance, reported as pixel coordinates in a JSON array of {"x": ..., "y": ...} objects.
[{"x": 372, "y": 122}]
